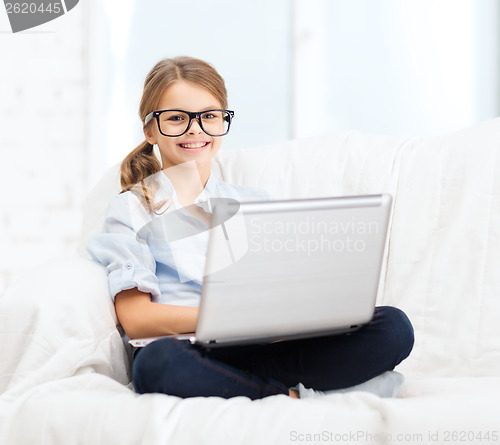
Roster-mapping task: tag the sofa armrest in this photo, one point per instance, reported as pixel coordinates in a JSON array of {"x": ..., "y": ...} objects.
[{"x": 57, "y": 320}]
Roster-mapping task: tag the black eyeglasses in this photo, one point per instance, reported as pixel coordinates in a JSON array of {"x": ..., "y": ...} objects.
[{"x": 173, "y": 123}]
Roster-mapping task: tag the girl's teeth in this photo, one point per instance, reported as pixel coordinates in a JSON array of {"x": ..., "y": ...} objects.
[{"x": 201, "y": 144}]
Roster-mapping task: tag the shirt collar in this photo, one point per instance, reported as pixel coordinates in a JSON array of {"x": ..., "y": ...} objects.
[
  {"x": 211, "y": 184},
  {"x": 203, "y": 199}
]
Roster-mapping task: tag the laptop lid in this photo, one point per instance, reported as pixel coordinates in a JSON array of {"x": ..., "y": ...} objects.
[{"x": 290, "y": 268}]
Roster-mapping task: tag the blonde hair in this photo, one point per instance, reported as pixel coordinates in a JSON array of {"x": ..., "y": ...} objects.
[{"x": 141, "y": 162}]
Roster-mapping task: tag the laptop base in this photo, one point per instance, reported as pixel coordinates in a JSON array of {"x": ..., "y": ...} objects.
[{"x": 209, "y": 344}]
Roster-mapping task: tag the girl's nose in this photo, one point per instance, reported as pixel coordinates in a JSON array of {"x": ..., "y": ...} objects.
[{"x": 195, "y": 127}]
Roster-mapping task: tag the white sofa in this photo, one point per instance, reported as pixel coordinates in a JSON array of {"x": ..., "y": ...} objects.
[{"x": 64, "y": 374}]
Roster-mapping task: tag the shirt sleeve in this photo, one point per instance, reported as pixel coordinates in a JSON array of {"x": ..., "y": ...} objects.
[{"x": 127, "y": 258}]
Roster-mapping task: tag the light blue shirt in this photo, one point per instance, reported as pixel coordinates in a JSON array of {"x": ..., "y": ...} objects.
[{"x": 138, "y": 253}]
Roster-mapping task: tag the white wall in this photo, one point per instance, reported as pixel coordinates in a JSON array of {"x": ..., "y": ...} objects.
[{"x": 43, "y": 141}]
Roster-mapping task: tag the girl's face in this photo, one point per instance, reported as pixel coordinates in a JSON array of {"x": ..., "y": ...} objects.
[{"x": 195, "y": 144}]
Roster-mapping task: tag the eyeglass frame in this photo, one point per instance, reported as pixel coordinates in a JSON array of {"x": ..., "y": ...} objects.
[{"x": 192, "y": 115}]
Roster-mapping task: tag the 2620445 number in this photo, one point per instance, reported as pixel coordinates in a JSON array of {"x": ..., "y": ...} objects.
[
  {"x": 32, "y": 8},
  {"x": 470, "y": 436}
]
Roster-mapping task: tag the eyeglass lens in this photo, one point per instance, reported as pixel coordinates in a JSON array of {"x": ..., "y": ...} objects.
[{"x": 175, "y": 123}]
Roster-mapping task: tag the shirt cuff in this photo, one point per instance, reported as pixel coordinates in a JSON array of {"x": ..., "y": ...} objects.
[{"x": 129, "y": 277}]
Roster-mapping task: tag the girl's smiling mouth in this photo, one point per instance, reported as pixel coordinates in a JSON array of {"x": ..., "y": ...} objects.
[{"x": 194, "y": 145}]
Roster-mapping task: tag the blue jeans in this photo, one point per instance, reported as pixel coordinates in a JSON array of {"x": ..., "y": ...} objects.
[{"x": 175, "y": 367}]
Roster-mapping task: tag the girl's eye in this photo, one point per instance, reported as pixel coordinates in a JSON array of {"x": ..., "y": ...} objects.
[
  {"x": 175, "y": 118},
  {"x": 212, "y": 115}
]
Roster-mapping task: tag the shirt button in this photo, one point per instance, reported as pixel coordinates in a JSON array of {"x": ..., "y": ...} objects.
[{"x": 129, "y": 266}]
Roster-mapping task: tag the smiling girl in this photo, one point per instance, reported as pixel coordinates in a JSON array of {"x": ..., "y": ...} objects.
[{"x": 156, "y": 291}]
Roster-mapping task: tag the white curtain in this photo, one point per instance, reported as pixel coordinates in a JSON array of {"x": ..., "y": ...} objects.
[{"x": 421, "y": 67}]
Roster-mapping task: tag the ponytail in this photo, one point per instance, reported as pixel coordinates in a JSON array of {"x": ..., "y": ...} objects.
[{"x": 140, "y": 164}]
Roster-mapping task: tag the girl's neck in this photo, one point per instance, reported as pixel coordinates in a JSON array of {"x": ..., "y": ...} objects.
[{"x": 188, "y": 181}]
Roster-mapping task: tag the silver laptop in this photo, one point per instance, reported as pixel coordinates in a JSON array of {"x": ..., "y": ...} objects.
[{"x": 288, "y": 269}]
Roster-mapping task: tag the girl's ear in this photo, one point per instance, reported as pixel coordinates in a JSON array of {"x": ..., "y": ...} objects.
[{"x": 149, "y": 135}]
